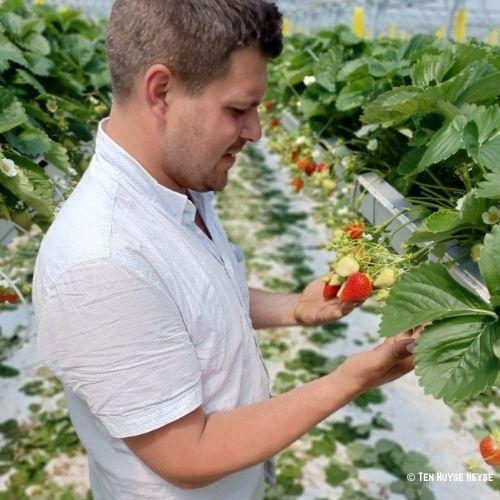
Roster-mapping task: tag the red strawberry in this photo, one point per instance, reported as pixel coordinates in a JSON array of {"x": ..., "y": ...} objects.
[
  {"x": 330, "y": 291},
  {"x": 303, "y": 163},
  {"x": 322, "y": 167},
  {"x": 311, "y": 168},
  {"x": 297, "y": 184},
  {"x": 268, "y": 106},
  {"x": 355, "y": 230},
  {"x": 274, "y": 122},
  {"x": 357, "y": 287},
  {"x": 12, "y": 298},
  {"x": 490, "y": 448}
]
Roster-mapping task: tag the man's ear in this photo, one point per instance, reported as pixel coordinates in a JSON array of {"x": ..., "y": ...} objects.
[{"x": 157, "y": 86}]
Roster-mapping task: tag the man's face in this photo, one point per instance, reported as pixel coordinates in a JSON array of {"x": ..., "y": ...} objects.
[{"x": 203, "y": 132}]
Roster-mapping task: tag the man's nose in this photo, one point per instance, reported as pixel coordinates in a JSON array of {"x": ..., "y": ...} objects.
[{"x": 252, "y": 131}]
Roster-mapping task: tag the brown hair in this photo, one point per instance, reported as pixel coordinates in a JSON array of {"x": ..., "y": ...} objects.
[{"x": 194, "y": 38}]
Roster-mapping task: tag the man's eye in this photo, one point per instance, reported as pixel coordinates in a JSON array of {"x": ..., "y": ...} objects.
[{"x": 237, "y": 111}]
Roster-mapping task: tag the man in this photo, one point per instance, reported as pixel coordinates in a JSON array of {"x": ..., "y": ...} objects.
[{"x": 142, "y": 307}]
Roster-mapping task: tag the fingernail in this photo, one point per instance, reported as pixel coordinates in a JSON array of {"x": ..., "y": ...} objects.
[{"x": 411, "y": 347}]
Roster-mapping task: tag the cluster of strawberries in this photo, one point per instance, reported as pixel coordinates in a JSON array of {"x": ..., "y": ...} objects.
[
  {"x": 347, "y": 282},
  {"x": 309, "y": 167}
]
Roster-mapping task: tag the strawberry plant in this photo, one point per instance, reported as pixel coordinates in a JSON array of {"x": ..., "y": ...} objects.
[{"x": 54, "y": 87}]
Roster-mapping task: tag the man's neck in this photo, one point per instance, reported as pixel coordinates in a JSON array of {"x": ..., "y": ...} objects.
[{"x": 136, "y": 138}]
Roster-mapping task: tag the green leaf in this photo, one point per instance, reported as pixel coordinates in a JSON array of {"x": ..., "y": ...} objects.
[
  {"x": 399, "y": 104},
  {"x": 441, "y": 221},
  {"x": 336, "y": 473},
  {"x": 427, "y": 293},
  {"x": 10, "y": 52},
  {"x": 410, "y": 161},
  {"x": 12, "y": 113},
  {"x": 353, "y": 70},
  {"x": 485, "y": 89},
  {"x": 473, "y": 208},
  {"x": 380, "y": 69},
  {"x": 37, "y": 44},
  {"x": 471, "y": 140},
  {"x": 24, "y": 77},
  {"x": 58, "y": 156},
  {"x": 31, "y": 141},
  {"x": 431, "y": 68},
  {"x": 8, "y": 371},
  {"x": 445, "y": 142},
  {"x": 31, "y": 185},
  {"x": 489, "y": 153},
  {"x": 354, "y": 94},
  {"x": 489, "y": 264},
  {"x": 490, "y": 187},
  {"x": 327, "y": 68},
  {"x": 455, "y": 359},
  {"x": 80, "y": 48},
  {"x": 39, "y": 65}
]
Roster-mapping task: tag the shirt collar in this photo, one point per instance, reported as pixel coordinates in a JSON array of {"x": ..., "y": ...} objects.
[{"x": 127, "y": 169}]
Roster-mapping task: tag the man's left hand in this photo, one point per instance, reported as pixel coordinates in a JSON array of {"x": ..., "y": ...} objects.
[{"x": 312, "y": 309}]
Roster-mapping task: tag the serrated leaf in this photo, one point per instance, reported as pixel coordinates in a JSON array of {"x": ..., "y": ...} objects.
[
  {"x": 31, "y": 185},
  {"x": 489, "y": 153},
  {"x": 409, "y": 162},
  {"x": 431, "y": 68},
  {"x": 39, "y": 65},
  {"x": 489, "y": 264},
  {"x": 398, "y": 105},
  {"x": 428, "y": 293},
  {"x": 10, "y": 52},
  {"x": 12, "y": 113},
  {"x": 472, "y": 208},
  {"x": 353, "y": 70},
  {"x": 37, "y": 44},
  {"x": 327, "y": 68},
  {"x": 23, "y": 76},
  {"x": 30, "y": 142},
  {"x": 490, "y": 187},
  {"x": 471, "y": 140},
  {"x": 58, "y": 156},
  {"x": 354, "y": 94},
  {"x": 455, "y": 359},
  {"x": 445, "y": 142},
  {"x": 485, "y": 89},
  {"x": 441, "y": 221}
]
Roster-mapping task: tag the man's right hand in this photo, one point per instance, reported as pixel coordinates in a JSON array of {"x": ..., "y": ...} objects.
[{"x": 388, "y": 361}]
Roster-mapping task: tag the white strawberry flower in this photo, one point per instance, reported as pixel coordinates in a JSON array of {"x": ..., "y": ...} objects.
[
  {"x": 315, "y": 154},
  {"x": 346, "y": 266},
  {"x": 491, "y": 216},
  {"x": 367, "y": 236},
  {"x": 300, "y": 140},
  {"x": 343, "y": 210},
  {"x": 8, "y": 167},
  {"x": 309, "y": 80},
  {"x": 460, "y": 203},
  {"x": 372, "y": 145}
]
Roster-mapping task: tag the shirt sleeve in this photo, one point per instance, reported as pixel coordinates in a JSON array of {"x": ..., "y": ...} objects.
[{"x": 118, "y": 341}]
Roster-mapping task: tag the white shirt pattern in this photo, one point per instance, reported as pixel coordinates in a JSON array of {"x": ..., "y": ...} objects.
[{"x": 144, "y": 318}]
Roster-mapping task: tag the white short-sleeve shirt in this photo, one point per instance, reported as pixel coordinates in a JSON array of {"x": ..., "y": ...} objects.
[{"x": 144, "y": 318}]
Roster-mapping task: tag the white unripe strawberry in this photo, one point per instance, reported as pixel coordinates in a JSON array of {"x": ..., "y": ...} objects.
[
  {"x": 386, "y": 278},
  {"x": 346, "y": 266}
]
